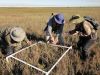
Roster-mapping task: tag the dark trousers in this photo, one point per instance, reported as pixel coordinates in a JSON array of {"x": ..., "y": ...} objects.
[
  {"x": 84, "y": 44},
  {"x": 6, "y": 49},
  {"x": 3, "y": 46}
]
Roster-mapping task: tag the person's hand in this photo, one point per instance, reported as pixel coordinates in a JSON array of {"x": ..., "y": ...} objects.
[
  {"x": 55, "y": 41},
  {"x": 81, "y": 34},
  {"x": 29, "y": 42},
  {"x": 66, "y": 33},
  {"x": 52, "y": 39}
]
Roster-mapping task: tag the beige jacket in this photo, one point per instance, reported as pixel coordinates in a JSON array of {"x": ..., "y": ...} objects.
[{"x": 89, "y": 30}]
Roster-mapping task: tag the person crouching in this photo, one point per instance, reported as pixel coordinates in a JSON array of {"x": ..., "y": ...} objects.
[
  {"x": 11, "y": 39},
  {"x": 55, "y": 25}
]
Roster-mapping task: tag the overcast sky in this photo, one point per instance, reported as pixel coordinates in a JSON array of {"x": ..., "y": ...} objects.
[{"x": 50, "y": 3}]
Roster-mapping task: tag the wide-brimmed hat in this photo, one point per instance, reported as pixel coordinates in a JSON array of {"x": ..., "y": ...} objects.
[
  {"x": 76, "y": 19},
  {"x": 17, "y": 34},
  {"x": 59, "y": 18}
]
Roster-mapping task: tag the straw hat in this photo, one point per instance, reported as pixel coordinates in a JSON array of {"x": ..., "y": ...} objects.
[
  {"x": 59, "y": 18},
  {"x": 75, "y": 19},
  {"x": 17, "y": 34}
]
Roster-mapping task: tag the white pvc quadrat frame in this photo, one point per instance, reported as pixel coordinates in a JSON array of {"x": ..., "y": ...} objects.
[{"x": 46, "y": 73}]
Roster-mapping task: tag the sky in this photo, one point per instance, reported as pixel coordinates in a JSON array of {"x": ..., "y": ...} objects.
[{"x": 49, "y": 3}]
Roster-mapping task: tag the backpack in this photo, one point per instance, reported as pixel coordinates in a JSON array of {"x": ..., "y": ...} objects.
[{"x": 93, "y": 22}]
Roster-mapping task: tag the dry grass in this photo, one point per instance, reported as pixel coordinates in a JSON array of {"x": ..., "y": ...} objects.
[
  {"x": 42, "y": 56},
  {"x": 34, "y": 20}
]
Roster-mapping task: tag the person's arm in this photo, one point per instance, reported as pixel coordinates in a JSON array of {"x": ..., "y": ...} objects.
[
  {"x": 59, "y": 33},
  {"x": 10, "y": 46},
  {"x": 27, "y": 41},
  {"x": 8, "y": 40},
  {"x": 73, "y": 32},
  {"x": 7, "y": 37},
  {"x": 50, "y": 33},
  {"x": 49, "y": 29}
]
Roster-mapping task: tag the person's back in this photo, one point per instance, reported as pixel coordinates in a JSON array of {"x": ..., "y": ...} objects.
[{"x": 85, "y": 29}]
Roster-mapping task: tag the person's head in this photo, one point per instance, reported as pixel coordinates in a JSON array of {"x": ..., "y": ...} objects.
[
  {"x": 76, "y": 19},
  {"x": 59, "y": 19},
  {"x": 17, "y": 34}
]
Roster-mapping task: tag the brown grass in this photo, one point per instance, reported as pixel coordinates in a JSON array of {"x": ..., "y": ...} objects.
[{"x": 34, "y": 20}]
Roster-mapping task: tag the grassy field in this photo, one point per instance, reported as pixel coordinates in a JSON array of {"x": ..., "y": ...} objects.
[{"x": 34, "y": 20}]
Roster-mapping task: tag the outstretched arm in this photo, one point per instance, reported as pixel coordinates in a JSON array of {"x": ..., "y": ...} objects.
[{"x": 72, "y": 32}]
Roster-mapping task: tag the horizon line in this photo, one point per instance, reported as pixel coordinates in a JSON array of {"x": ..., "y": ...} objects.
[{"x": 47, "y": 6}]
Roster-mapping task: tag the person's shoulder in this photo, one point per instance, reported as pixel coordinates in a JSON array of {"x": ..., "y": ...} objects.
[
  {"x": 7, "y": 29},
  {"x": 51, "y": 18},
  {"x": 50, "y": 21},
  {"x": 87, "y": 24},
  {"x": 3, "y": 29}
]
